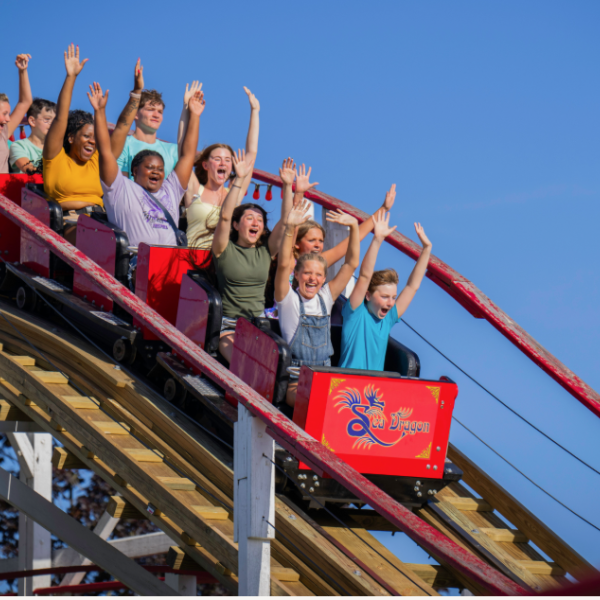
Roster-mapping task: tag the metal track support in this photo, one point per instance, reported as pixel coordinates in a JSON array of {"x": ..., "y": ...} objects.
[{"x": 253, "y": 502}]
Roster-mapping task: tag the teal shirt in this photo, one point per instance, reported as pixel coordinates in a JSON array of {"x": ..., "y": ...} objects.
[
  {"x": 133, "y": 146},
  {"x": 24, "y": 149},
  {"x": 365, "y": 337}
]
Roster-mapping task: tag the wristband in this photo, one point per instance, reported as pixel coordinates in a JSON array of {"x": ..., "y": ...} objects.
[
  {"x": 237, "y": 186},
  {"x": 134, "y": 95}
]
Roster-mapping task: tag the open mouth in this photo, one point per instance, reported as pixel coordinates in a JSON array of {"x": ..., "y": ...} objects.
[
  {"x": 253, "y": 232},
  {"x": 384, "y": 311},
  {"x": 222, "y": 173},
  {"x": 154, "y": 179},
  {"x": 88, "y": 150}
]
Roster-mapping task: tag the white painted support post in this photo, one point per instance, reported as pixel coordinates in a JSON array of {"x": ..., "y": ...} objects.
[
  {"x": 34, "y": 451},
  {"x": 184, "y": 585},
  {"x": 103, "y": 529},
  {"x": 253, "y": 503},
  {"x": 334, "y": 234}
]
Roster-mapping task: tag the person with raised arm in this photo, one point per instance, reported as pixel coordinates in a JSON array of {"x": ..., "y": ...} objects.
[
  {"x": 243, "y": 248},
  {"x": 135, "y": 206},
  {"x": 305, "y": 309},
  {"x": 213, "y": 169},
  {"x": 10, "y": 121},
  {"x": 375, "y": 306},
  {"x": 69, "y": 157}
]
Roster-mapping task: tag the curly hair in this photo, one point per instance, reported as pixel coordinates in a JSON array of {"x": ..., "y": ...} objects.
[
  {"x": 138, "y": 159},
  {"x": 238, "y": 213},
  {"x": 200, "y": 171},
  {"x": 384, "y": 277},
  {"x": 151, "y": 97},
  {"x": 77, "y": 120}
]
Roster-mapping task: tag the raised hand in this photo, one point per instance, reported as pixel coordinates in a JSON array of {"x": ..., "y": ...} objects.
[
  {"x": 22, "y": 61},
  {"x": 197, "y": 103},
  {"x": 389, "y": 198},
  {"x": 254, "y": 103},
  {"x": 287, "y": 172},
  {"x": 72, "y": 63},
  {"x": 242, "y": 163},
  {"x": 138, "y": 77},
  {"x": 298, "y": 214},
  {"x": 190, "y": 91},
  {"x": 341, "y": 218},
  {"x": 421, "y": 233},
  {"x": 381, "y": 228},
  {"x": 98, "y": 100},
  {"x": 302, "y": 180}
]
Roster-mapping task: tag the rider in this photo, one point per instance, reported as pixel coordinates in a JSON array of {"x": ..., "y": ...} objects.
[
  {"x": 367, "y": 325},
  {"x": 305, "y": 309}
]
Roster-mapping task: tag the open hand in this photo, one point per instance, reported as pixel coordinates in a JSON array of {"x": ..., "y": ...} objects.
[
  {"x": 382, "y": 227},
  {"x": 72, "y": 63},
  {"x": 197, "y": 103},
  {"x": 243, "y": 163},
  {"x": 254, "y": 103},
  {"x": 302, "y": 183},
  {"x": 341, "y": 218},
  {"x": 287, "y": 172},
  {"x": 190, "y": 91},
  {"x": 138, "y": 77},
  {"x": 22, "y": 61},
  {"x": 97, "y": 99},
  {"x": 298, "y": 214},
  {"x": 421, "y": 233},
  {"x": 389, "y": 198}
]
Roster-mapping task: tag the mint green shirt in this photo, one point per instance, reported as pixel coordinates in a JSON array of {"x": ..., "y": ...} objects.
[
  {"x": 23, "y": 149},
  {"x": 133, "y": 146}
]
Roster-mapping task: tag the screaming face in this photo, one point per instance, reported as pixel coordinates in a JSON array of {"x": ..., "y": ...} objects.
[
  {"x": 4, "y": 114},
  {"x": 83, "y": 144},
  {"x": 250, "y": 227},
  {"x": 382, "y": 300},
  {"x": 218, "y": 166},
  {"x": 150, "y": 174},
  {"x": 311, "y": 243},
  {"x": 310, "y": 278}
]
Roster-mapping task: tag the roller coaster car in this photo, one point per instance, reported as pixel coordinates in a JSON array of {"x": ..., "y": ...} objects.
[{"x": 391, "y": 426}]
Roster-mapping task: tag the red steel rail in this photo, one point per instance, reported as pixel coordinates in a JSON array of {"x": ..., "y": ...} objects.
[
  {"x": 472, "y": 299},
  {"x": 288, "y": 434}
]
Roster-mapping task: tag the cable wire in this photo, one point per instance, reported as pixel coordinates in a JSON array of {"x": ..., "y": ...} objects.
[{"x": 500, "y": 401}]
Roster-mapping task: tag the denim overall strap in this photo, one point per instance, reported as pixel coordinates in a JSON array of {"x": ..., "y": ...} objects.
[{"x": 311, "y": 344}]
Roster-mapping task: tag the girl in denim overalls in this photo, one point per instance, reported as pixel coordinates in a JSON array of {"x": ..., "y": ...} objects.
[{"x": 305, "y": 309}]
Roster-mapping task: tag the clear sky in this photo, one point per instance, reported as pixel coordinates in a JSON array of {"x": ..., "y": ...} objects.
[{"x": 485, "y": 115}]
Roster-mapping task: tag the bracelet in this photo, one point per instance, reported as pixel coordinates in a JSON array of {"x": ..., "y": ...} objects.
[
  {"x": 237, "y": 186},
  {"x": 133, "y": 95},
  {"x": 289, "y": 235}
]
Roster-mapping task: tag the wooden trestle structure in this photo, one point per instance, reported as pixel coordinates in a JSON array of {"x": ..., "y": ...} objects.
[{"x": 156, "y": 458}]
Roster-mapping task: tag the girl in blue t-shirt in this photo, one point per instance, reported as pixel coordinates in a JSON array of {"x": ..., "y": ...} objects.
[{"x": 367, "y": 325}]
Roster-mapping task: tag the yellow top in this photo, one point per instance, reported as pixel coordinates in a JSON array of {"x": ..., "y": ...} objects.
[
  {"x": 201, "y": 216},
  {"x": 66, "y": 181}
]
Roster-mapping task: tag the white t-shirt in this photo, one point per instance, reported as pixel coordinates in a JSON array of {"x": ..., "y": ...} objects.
[
  {"x": 289, "y": 310},
  {"x": 131, "y": 208}
]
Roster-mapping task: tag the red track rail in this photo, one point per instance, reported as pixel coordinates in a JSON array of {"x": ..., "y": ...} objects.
[
  {"x": 280, "y": 427},
  {"x": 473, "y": 300}
]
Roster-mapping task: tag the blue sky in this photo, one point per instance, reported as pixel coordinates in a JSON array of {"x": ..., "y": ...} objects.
[{"x": 486, "y": 117}]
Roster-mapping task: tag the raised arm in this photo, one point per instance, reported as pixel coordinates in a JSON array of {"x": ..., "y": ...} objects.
[
  {"x": 185, "y": 116},
  {"x": 334, "y": 254},
  {"x": 380, "y": 232},
  {"x": 54, "y": 140},
  {"x": 416, "y": 277},
  {"x": 287, "y": 173},
  {"x": 340, "y": 281},
  {"x": 243, "y": 165},
  {"x": 252, "y": 137},
  {"x": 25, "y": 97},
  {"x": 296, "y": 217},
  {"x": 125, "y": 120},
  {"x": 303, "y": 184},
  {"x": 185, "y": 164},
  {"x": 109, "y": 170}
]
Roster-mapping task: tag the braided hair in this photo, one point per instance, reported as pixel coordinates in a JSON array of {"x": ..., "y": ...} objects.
[
  {"x": 77, "y": 120},
  {"x": 138, "y": 159}
]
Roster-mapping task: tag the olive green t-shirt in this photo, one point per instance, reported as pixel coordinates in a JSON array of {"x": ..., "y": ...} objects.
[{"x": 242, "y": 275}]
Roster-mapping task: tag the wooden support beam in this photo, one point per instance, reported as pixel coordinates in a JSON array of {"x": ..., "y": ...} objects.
[
  {"x": 178, "y": 483},
  {"x": 9, "y": 412},
  {"x": 145, "y": 455},
  {"x": 470, "y": 504},
  {"x": 51, "y": 377},
  {"x": 119, "y": 508},
  {"x": 62, "y": 459},
  {"x": 435, "y": 575},
  {"x": 214, "y": 513},
  {"x": 283, "y": 574},
  {"x": 25, "y": 361},
  {"x": 541, "y": 567},
  {"x": 112, "y": 427},
  {"x": 82, "y": 402},
  {"x": 504, "y": 535},
  {"x": 177, "y": 559}
]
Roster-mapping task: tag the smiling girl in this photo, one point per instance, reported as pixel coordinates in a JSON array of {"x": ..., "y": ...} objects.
[
  {"x": 367, "y": 324},
  {"x": 305, "y": 309}
]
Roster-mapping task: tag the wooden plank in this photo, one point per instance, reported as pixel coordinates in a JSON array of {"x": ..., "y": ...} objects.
[
  {"x": 9, "y": 412},
  {"x": 542, "y": 567},
  {"x": 112, "y": 427},
  {"x": 119, "y": 508},
  {"x": 180, "y": 561},
  {"x": 215, "y": 513},
  {"x": 62, "y": 459},
  {"x": 25, "y": 361},
  {"x": 521, "y": 517},
  {"x": 82, "y": 402},
  {"x": 504, "y": 535},
  {"x": 145, "y": 455},
  {"x": 283, "y": 574},
  {"x": 178, "y": 483},
  {"x": 434, "y": 575},
  {"x": 470, "y": 504},
  {"x": 51, "y": 377}
]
